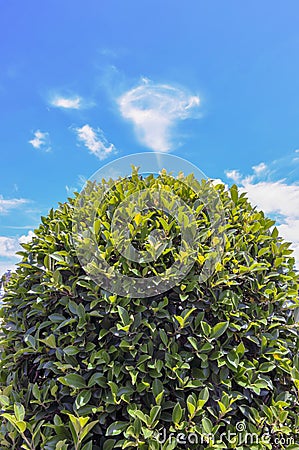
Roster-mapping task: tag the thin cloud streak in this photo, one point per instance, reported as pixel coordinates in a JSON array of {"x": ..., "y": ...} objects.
[
  {"x": 6, "y": 205},
  {"x": 41, "y": 141},
  {"x": 67, "y": 102}
]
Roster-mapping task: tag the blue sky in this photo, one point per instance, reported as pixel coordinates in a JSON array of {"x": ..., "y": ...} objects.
[{"x": 82, "y": 83}]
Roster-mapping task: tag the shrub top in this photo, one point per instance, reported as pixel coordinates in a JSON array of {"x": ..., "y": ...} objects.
[{"x": 82, "y": 368}]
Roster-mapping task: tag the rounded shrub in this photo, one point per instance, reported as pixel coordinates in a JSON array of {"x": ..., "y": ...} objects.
[{"x": 193, "y": 367}]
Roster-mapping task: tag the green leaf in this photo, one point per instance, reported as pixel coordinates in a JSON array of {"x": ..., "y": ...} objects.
[
  {"x": 159, "y": 398},
  {"x": 109, "y": 444},
  {"x": 207, "y": 425},
  {"x": 19, "y": 411},
  {"x": 82, "y": 399},
  {"x": 123, "y": 313},
  {"x": 180, "y": 320},
  {"x": 205, "y": 328},
  {"x": 193, "y": 342},
  {"x": 73, "y": 307},
  {"x": 141, "y": 416},
  {"x": 30, "y": 340},
  {"x": 275, "y": 232},
  {"x": 73, "y": 380},
  {"x": 187, "y": 313},
  {"x": 75, "y": 423},
  {"x": 56, "y": 318},
  {"x": 218, "y": 330},
  {"x": 61, "y": 445},
  {"x": 138, "y": 218},
  {"x": 10, "y": 417},
  {"x": 97, "y": 378},
  {"x": 234, "y": 193},
  {"x": 203, "y": 397},
  {"x": 177, "y": 414},
  {"x": 57, "y": 277},
  {"x": 87, "y": 428},
  {"x": 266, "y": 367},
  {"x": 116, "y": 428},
  {"x": 50, "y": 341},
  {"x": 87, "y": 446},
  {"x": 71, "y": 350},
  {"x": 21, "y": 425},
  {"x": 157, "y": 387},
  {"x": 163, "y": 337},
  {"x": 233, "y": 358},
  {"x": 240, "y": 349},
  {"x": 191, "y": 405},
  {"x": 155, "y": 411},
  {"x": 113, "y": 387},
  {"x": 4, "y": 400}
]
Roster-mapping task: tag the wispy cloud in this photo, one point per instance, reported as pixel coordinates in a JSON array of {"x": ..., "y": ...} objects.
[
  {"x": 260, "y": 168},
  {"x": 257, "y": 171},
  {"x": 154, "y": 109},
  {"x": 77, "y": 187},
  {"x": 67, "y": 102},
  {"x": 7, "y": 204},
  {"x": 41, "y": 141},
  {"x": 95, "y": 141},
  {"x": 233, "y": 175},
  {"x": 278, "y": 198}
]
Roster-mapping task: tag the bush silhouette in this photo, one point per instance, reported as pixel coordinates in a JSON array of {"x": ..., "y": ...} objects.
[{"x": 82, "y": 368}]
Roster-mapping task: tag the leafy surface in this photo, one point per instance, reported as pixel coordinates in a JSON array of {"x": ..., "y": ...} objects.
[{"x": 81, "y": 368}]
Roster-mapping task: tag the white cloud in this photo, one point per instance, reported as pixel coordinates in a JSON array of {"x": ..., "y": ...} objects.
[
  {"x": 282, "y": 199},
  {"x": 154, "y": 109},
  {"x": 7, "y": 204},
  {"x": 237, "y": 177},
  {"x": 8, "y": 248},
  {"x": 233, "y": 175},
  {"x": 41, "y": 141},
  {"x": 10, "y": 245},
  {"x": 216, "y": 181},
  {"x": 95, "y": 141},
  {"x": 5, "y": 266},
  {"x": 67, "y": 102},
  {"x": 25, "y": 238},
  {"x": 290, "y": 231},
  {"x": 276, "y": 198}
]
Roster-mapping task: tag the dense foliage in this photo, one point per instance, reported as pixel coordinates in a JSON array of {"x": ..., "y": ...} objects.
[{"x": 84, "y": 369}]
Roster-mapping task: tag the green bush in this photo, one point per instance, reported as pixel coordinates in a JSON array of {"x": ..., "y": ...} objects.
[{"x": 84, "y": 369}]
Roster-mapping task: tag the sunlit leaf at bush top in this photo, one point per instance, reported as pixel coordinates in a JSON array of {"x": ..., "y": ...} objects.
[{"x": 84, "y": 369}]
